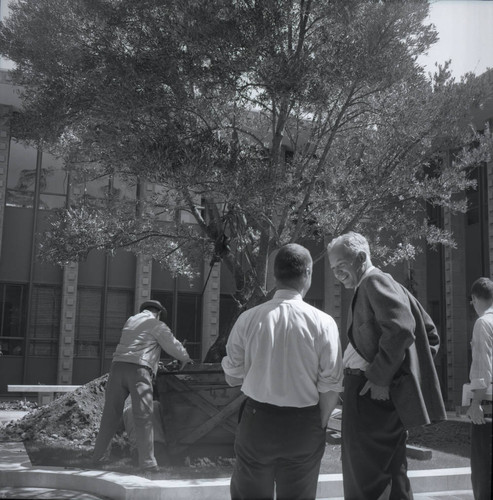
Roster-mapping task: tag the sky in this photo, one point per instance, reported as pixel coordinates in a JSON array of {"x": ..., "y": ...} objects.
[{"x": 465, "y": 29}]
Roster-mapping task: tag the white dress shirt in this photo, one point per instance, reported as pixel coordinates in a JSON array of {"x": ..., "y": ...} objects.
[
  {"x": 351, "y": 357},
  {"x": 285, "y": 351},
  {"x": 482, "y": 352}
]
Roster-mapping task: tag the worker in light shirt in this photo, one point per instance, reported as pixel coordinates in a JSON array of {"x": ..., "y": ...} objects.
[
  {"x": 286, "y": 356},
  {"x": 480, "y": 376},
  {"x": 135, "y": 362}
]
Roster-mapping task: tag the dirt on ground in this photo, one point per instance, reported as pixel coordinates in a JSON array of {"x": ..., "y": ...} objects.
[
  {"x": 63, "y": 433},
  {"x": 451, "y": 436},
  {"x": 73, "y": 417},
  {"x": 67, "y": 426}
]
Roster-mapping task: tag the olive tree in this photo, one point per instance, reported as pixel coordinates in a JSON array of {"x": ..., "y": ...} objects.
[{"x": 269, "y": 121}]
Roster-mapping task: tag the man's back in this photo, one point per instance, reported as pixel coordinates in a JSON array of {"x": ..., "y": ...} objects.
[
  {"x": 482, "y": 350},
  {"x": 286, "y": 352},
  {"x": 286, "y": 356},
  {"x": 137, "y": 343},
  {"x": 141, "y": 341}
]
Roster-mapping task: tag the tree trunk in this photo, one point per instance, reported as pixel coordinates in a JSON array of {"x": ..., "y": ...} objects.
[{"x": 245, "y": 297}]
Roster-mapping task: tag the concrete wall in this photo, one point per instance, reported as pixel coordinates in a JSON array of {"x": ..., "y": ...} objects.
[
  {"x": 456, "y": 309},
  {"x": 5, "y": 112},
  {"x": 489, "y": 173}
]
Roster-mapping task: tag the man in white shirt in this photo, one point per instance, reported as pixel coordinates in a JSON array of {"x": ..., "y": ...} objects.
[
  {"x": 286, "y": 356},
  {"x": 481, "y": 377}
]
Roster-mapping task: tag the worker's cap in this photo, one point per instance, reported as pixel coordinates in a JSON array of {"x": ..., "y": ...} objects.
[{"x": 153, "y": 304}]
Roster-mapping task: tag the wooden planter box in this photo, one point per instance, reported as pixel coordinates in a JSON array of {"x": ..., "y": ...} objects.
[{"x": 199, "y": 411}]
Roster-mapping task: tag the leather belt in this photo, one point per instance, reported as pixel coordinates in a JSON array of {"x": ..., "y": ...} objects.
[
  {"x": 148, "y": 368},
  {"x": 280, "y": 409},
  {"x": 353, "y": 371}
]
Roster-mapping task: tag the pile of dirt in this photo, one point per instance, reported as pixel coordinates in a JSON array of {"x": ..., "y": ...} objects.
[
  {"x": 450, "y": 436},
  {"x": 63, "y": 433},
  {"x": 67, "y": 427}
]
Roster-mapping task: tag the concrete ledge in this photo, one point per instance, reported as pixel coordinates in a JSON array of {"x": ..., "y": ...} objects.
[
  {"x": 125, "y": 487},
  {"x": 16, "y": 471},
  {"x": 329, "y": 486},
  {"x": 439, "y": 495},
  {"x": 418, "y": 452},
  {"x": 98, "y": 483},
  {"x": 458, "y": 478},
  {"x": 194, "y": 489}
]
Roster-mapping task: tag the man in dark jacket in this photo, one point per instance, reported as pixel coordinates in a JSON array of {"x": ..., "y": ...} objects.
[
  {"x": 135, "y": 361},
  {"x": 390, "y": 382}
]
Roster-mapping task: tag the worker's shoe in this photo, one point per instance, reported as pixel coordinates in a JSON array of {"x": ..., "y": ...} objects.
[
  {"x": 99, "y": 463},
  {"x": 150, "y": 472}
]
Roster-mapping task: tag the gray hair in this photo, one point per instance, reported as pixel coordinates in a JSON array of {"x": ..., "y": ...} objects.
[{"x": 353, "y": 242}]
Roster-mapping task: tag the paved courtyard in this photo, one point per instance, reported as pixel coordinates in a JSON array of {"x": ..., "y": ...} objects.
[{"x": 19, "y": 479}]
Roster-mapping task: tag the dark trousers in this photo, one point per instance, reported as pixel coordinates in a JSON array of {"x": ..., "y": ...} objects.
[
  {"x": 277, "y": 446},
  {"x": 136, "y": 380},
  {"x": 374, "y": 463},
  {"x": 481, "y": 460}
]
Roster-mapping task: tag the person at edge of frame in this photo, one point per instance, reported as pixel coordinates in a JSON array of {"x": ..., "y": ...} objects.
[{"x": 481, "y": 379}]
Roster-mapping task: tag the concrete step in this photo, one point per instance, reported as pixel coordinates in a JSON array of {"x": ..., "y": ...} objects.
[
  {"x": 16, "y": 471},
  {"x": 438, "y": 495}
]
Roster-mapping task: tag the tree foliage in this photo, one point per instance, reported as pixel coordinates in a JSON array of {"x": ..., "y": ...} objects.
[{"x": 268, "y": 121}]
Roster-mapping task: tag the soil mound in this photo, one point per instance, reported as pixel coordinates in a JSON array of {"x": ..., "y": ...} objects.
[
  {"x": 67, "y": 427},
  {"x": 449, "y": 436}
]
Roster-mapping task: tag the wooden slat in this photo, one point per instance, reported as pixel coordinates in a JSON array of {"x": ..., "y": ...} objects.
[
  {"x": 196, "y": 399},
  {"x": 334, "y": 424},
  {"x": 335, "y": 421},
  {"x": 191, "y": 372},
  {"x": 210, "y": 424}
]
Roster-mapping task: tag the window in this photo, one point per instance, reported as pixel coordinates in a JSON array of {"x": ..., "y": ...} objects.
[
  {"x": 89, "y": 338},
  {"x": 102, "y": 189},
  {"x": 88, "y": 323},
  {"x": 21, "y": 177},
  {"x": 188, "y": 324},
  {"x": 228, "y": 309},
  {"x": 477, "y": 198},
  {"x": 44, "y": 327},
  {"x": 434, "y": 215},
  {"x": 12, "y": 303},
  {"x": 54, "y": 182},
  {"x": 119, "y": 307}
]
